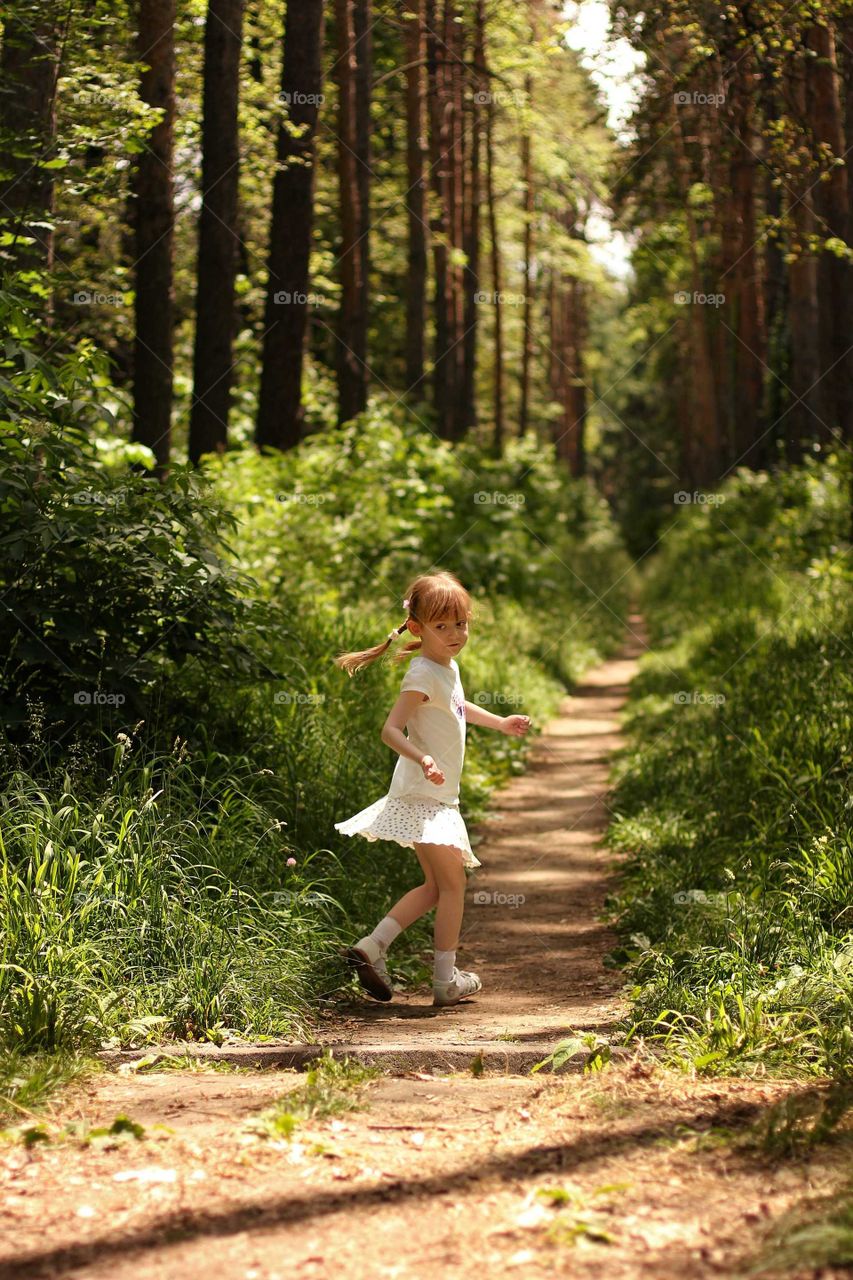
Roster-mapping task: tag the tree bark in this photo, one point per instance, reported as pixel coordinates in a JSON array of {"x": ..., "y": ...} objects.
[
  {"x": 218, "y": 237},
  {"x": 750, "y": 344},
  {"x": 527, "y": 341},
  {"x": 362, "y": 28},
  {"x": 154, "y": 218},
  {"x": 472, "y": 220},
  {"x": 352, "y": 321},
  {"x": 832, "y": 208},
  {"x": 450, "y": 141},
  {"x": 280, "y": 410},
  {"x": 458, "y": 198},
  {"x": 806, "y": 416},
  {"x": 439, "y": 222},
  {"x": 497, "y": 282},
  {"x": 844, "y": 43},
  {"x": 415, "y": 196},
  {"x": 703, "y": 460}
]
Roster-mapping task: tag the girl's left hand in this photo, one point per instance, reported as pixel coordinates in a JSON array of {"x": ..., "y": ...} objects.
[{"x": 517, "y": 726}]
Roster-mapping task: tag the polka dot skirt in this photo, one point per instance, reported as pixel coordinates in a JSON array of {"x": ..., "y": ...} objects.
[{"x": 407, "y": 821}]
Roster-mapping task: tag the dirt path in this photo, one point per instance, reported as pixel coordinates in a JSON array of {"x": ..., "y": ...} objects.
[
  {"x": 531, "y": 928},
  {"x": 636, "y": 1171}
]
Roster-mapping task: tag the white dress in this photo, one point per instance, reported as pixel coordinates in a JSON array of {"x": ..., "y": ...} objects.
[{"x": 416, "y": 810}]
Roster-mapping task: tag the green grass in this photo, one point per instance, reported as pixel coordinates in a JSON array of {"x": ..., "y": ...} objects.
[
  {"x": 177, "y": 875},
  {"x": 332, "y": 1087},
  {"x": 28, "y": 1082},
  {"x": 732, "y": 811}
]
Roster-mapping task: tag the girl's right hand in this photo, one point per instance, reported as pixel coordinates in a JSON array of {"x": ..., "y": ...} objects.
[{"x": 432, "y": 773}]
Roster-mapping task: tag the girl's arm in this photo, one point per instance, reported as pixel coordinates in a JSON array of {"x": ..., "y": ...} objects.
[
  {"x": 392, "y": 734},
  {"x": 515, "y": 725}
]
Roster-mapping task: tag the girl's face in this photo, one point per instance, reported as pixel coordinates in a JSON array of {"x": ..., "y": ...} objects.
[{"x": 444, "y": 637}]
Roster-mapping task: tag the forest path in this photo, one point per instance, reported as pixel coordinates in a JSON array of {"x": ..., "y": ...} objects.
[
  {"x": 640, "y": 1171},
  {"x": 531, "y": 928}
]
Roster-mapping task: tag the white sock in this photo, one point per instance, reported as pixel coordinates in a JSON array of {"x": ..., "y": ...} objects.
[
  {"x": 385, "y": 932},
  {"x": 444, "y": 962}
]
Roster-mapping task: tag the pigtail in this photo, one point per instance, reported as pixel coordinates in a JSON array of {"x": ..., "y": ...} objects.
[
  {"x": 352, "y": 662},
  {"x": 429, "y": 596}
]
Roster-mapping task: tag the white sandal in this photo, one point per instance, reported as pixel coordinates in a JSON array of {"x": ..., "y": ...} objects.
[{"x": 461, "y": 985}]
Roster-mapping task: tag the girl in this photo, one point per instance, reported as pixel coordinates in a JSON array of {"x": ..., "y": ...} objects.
[{"x": 421, "y": 809}]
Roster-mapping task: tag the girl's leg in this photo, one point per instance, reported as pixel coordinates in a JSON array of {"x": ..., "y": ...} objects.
[
  {"x": 448, "y": 871},
  {"x": 417, "y": 901}
]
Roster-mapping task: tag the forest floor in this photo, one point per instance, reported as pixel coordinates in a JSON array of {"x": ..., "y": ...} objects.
[{"x": 453, "y": 1160}]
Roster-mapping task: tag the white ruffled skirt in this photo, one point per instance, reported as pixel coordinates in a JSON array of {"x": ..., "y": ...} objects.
[{"x": 408, "y": 821}]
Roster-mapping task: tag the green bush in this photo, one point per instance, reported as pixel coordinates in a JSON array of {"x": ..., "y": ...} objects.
[{"x": 112, "y": 580}]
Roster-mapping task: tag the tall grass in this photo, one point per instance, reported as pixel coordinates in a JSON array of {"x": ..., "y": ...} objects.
[
  {"x": 733, "y": 810},
  {"x": 178, "y": 874}
]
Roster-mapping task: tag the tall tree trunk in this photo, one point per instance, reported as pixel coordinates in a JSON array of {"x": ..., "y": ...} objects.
[
  {"x": 218, "y": 239},
  {"x": 352, "y": 326},
  {"x": 832, "y": 207},
  {"x": 527, "y": 342},
  {"x": 807, "y": 414},
  {"x": 844, "y": 25},
  {"x": 458, "y": 197},
  {"x": 415, "y": 196},
  {"x": 570, "y": 334},
  {"x": 703, "y": 461},
  {"x": 472, "y": 219},
  {"x": 555, "y": 364},
  {"x": 750, "y": 345},
  {"x": 280, "y": 412},
  {"x": 362, "y": 27},
  {"x": 579, "y": 301},
  {"x": 497, "y": 281},
  {"x": 845, "y": 52},
  {"x": 451, "y": 190},
  {"x": 29, "y": 70},
  {"x": 152, "y": 185},
  {"x": 775, "y": 307},
  {"x": 439, "y": 222}
]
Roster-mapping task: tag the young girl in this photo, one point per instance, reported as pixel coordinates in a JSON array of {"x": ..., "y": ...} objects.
[{"x": 421, "y": 809}]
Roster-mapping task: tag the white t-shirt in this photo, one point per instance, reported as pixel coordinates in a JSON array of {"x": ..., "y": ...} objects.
[{"x": 436, "y": 728}]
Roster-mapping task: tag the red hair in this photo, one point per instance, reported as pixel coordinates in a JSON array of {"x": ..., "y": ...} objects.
[{"x": 429, "y": 596}]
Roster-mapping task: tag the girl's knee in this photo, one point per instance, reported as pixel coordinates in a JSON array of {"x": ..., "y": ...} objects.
[
  {"x": 446, "y": 864},
  {"x": 452, "y": 878},
  {"x": 431, "y": 891}
]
